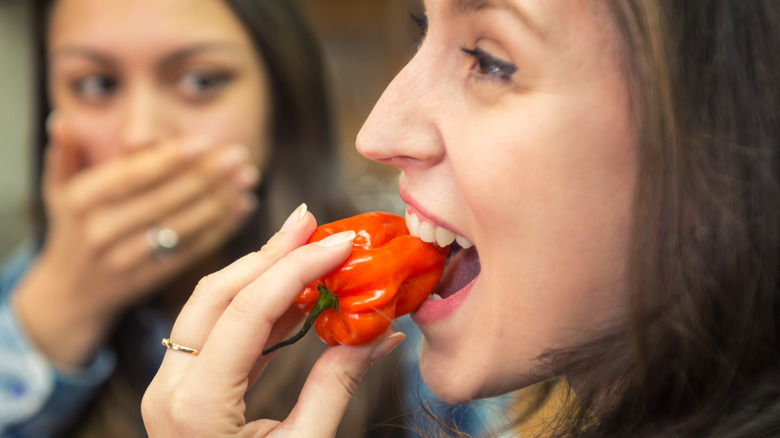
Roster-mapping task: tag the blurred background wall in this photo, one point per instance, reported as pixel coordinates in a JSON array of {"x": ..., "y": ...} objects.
[
  {"x": 366, "y": 43},
  {"x": 15, "y": 113}
]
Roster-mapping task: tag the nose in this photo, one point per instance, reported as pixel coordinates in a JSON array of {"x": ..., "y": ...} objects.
[
  {"x": 402, "y": 129},
  {"x": 143, "y": 118}
]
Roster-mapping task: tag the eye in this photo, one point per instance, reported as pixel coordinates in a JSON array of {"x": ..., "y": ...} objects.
[
  {"x": 200, "y": 85},
  {"x": 94, "y": 87},
  {"x": 486, "y": 66},
  {"x": 421, "y": 21}
]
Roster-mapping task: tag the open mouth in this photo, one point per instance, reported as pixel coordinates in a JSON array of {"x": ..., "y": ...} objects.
[{"x": 462, "y": 265}]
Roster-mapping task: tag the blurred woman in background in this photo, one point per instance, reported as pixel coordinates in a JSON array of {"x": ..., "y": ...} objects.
[{"x": 178, "y": 136}]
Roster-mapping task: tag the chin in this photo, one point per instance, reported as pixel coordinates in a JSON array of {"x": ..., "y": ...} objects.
[
  {"x": 473, "y": 380},
  {"x": 450, "y": 383}
]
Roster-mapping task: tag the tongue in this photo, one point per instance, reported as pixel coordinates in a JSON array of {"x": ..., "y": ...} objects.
[{"x": 462, "y": 268}]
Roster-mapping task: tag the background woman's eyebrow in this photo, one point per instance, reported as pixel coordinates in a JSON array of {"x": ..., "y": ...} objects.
[
  {"x": 460, "y": 7},
  {"x": 194, "y": 50},
  {"x": 82, "y": 52}
]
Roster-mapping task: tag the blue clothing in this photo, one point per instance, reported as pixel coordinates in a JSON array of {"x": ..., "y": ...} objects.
[{"x": 36, "y": 399}]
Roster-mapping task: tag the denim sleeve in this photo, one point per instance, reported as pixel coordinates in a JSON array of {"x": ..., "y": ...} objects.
[{"x": 37, "y": 400}]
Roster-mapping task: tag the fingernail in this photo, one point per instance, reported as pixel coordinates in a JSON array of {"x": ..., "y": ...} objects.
[
  {"x": 296, "y": 215},
  {"x": 386, "y": 345},
  {"x": 234, "y": 156},
  {"x": 195, "y": 146},
  {"x": 338, "y": 238}
]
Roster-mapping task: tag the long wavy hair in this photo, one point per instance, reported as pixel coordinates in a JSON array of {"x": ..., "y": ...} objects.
[
  {"x": 699, "y": 354},
  {"x": 304, "y": 168}
]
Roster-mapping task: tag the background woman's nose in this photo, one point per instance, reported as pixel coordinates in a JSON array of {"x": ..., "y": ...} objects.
[{"x": 143, "y": 119}]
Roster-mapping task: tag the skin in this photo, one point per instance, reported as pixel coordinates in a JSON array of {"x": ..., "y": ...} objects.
[
  {"x": 233, "y": 314},
  {"x": 535, "y": 167},
  {"x": 156, "y": 104}
]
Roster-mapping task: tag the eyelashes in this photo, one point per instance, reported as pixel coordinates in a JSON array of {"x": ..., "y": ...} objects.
[
  {"x": 94, "y": 87},
  {"x": 421, "y": 21},
  {"x": 486, "y": 66}
]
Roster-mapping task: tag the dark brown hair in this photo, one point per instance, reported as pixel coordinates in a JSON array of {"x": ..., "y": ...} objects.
[{"x": 699, "y": 354}]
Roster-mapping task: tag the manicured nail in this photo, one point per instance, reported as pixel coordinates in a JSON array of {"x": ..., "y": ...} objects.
[
  {"x": 386, "y": 345},
  {"x": 195, "y": 146},
  {"x": 338, "y": 238},
  {"x": 296, "y": 215}
]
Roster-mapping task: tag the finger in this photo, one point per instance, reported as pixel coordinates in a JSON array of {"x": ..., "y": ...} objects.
[
  {"x": 204, "y": 222},
  {"x": 221, "y": 186},
  {"x": 214, "y": 292},
  {"x": 239, "y": 336},
  {"x": 331, "y": 383},
  {"x": 123, "y": 177},
  {"x": 63, "y": 156},
  {"x": 150, "y": 269}
]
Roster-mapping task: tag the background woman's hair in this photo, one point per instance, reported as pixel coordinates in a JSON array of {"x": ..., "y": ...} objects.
[{"x": 700, "y": 353}]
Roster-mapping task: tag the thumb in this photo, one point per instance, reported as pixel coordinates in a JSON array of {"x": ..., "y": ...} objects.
[{"x": 332, "y": 382}]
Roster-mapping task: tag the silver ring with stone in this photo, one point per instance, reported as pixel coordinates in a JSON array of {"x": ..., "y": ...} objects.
[{"x": 162, "y": 241}]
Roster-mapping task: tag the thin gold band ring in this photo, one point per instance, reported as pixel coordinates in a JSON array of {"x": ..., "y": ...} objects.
[{"x": 178, "y": 347}]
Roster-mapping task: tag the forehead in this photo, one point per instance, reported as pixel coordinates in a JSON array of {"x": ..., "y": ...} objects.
[
  {"x": 550, "y": 20},
  {"x": 116, "y": 23}
]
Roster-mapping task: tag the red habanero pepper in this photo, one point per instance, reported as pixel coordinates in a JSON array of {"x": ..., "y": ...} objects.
[{"x": 389, "y": 274}]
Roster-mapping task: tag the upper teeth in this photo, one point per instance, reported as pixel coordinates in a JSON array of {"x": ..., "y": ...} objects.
[{"x": 428, "y": 232}]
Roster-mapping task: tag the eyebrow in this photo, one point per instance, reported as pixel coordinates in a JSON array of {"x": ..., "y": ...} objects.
[
  {"x": 461, "y": 7},
  {"x": 78, "y": 51},
  {"x": 187, "y": 52},
  {"x": 171, "y": 59}
]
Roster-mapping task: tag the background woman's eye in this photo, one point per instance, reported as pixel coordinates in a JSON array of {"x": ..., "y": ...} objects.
[
  {"x": 201, "y": 85},
  {"x": 94, "y": 87},
  {"x": 488, "y": 66}
]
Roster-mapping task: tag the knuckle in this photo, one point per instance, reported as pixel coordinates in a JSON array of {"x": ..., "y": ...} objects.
[
  {"x": 77, "y": 201},
  {"x": 181, "y": 408},
  {"x": 270, "y": 252},
  {"x": 209, "y": 287},
  {"x": 207, "y": 284},
  {"x": 120, "y": 261},
  {"x": 94, "y": 236},
  {"x": 245, "y": 304},
  {"x": 349, "y": 380}
]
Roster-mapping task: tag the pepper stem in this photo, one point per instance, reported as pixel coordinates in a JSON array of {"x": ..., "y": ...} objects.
[{"x": 326, "y": 300}]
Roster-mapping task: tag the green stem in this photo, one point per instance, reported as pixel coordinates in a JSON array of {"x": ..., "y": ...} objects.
[{"x": 326, "y": 300}]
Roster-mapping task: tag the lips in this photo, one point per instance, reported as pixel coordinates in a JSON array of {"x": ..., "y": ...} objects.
[{"x": 463, "y": 264}]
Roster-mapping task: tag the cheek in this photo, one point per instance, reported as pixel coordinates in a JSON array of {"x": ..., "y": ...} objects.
[{"x": 551, "y": 205}]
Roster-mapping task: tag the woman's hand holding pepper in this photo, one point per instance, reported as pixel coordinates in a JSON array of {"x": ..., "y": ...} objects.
[
  {"x": 231, "y": 316},
  {"x": 96, "y": 260}
]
